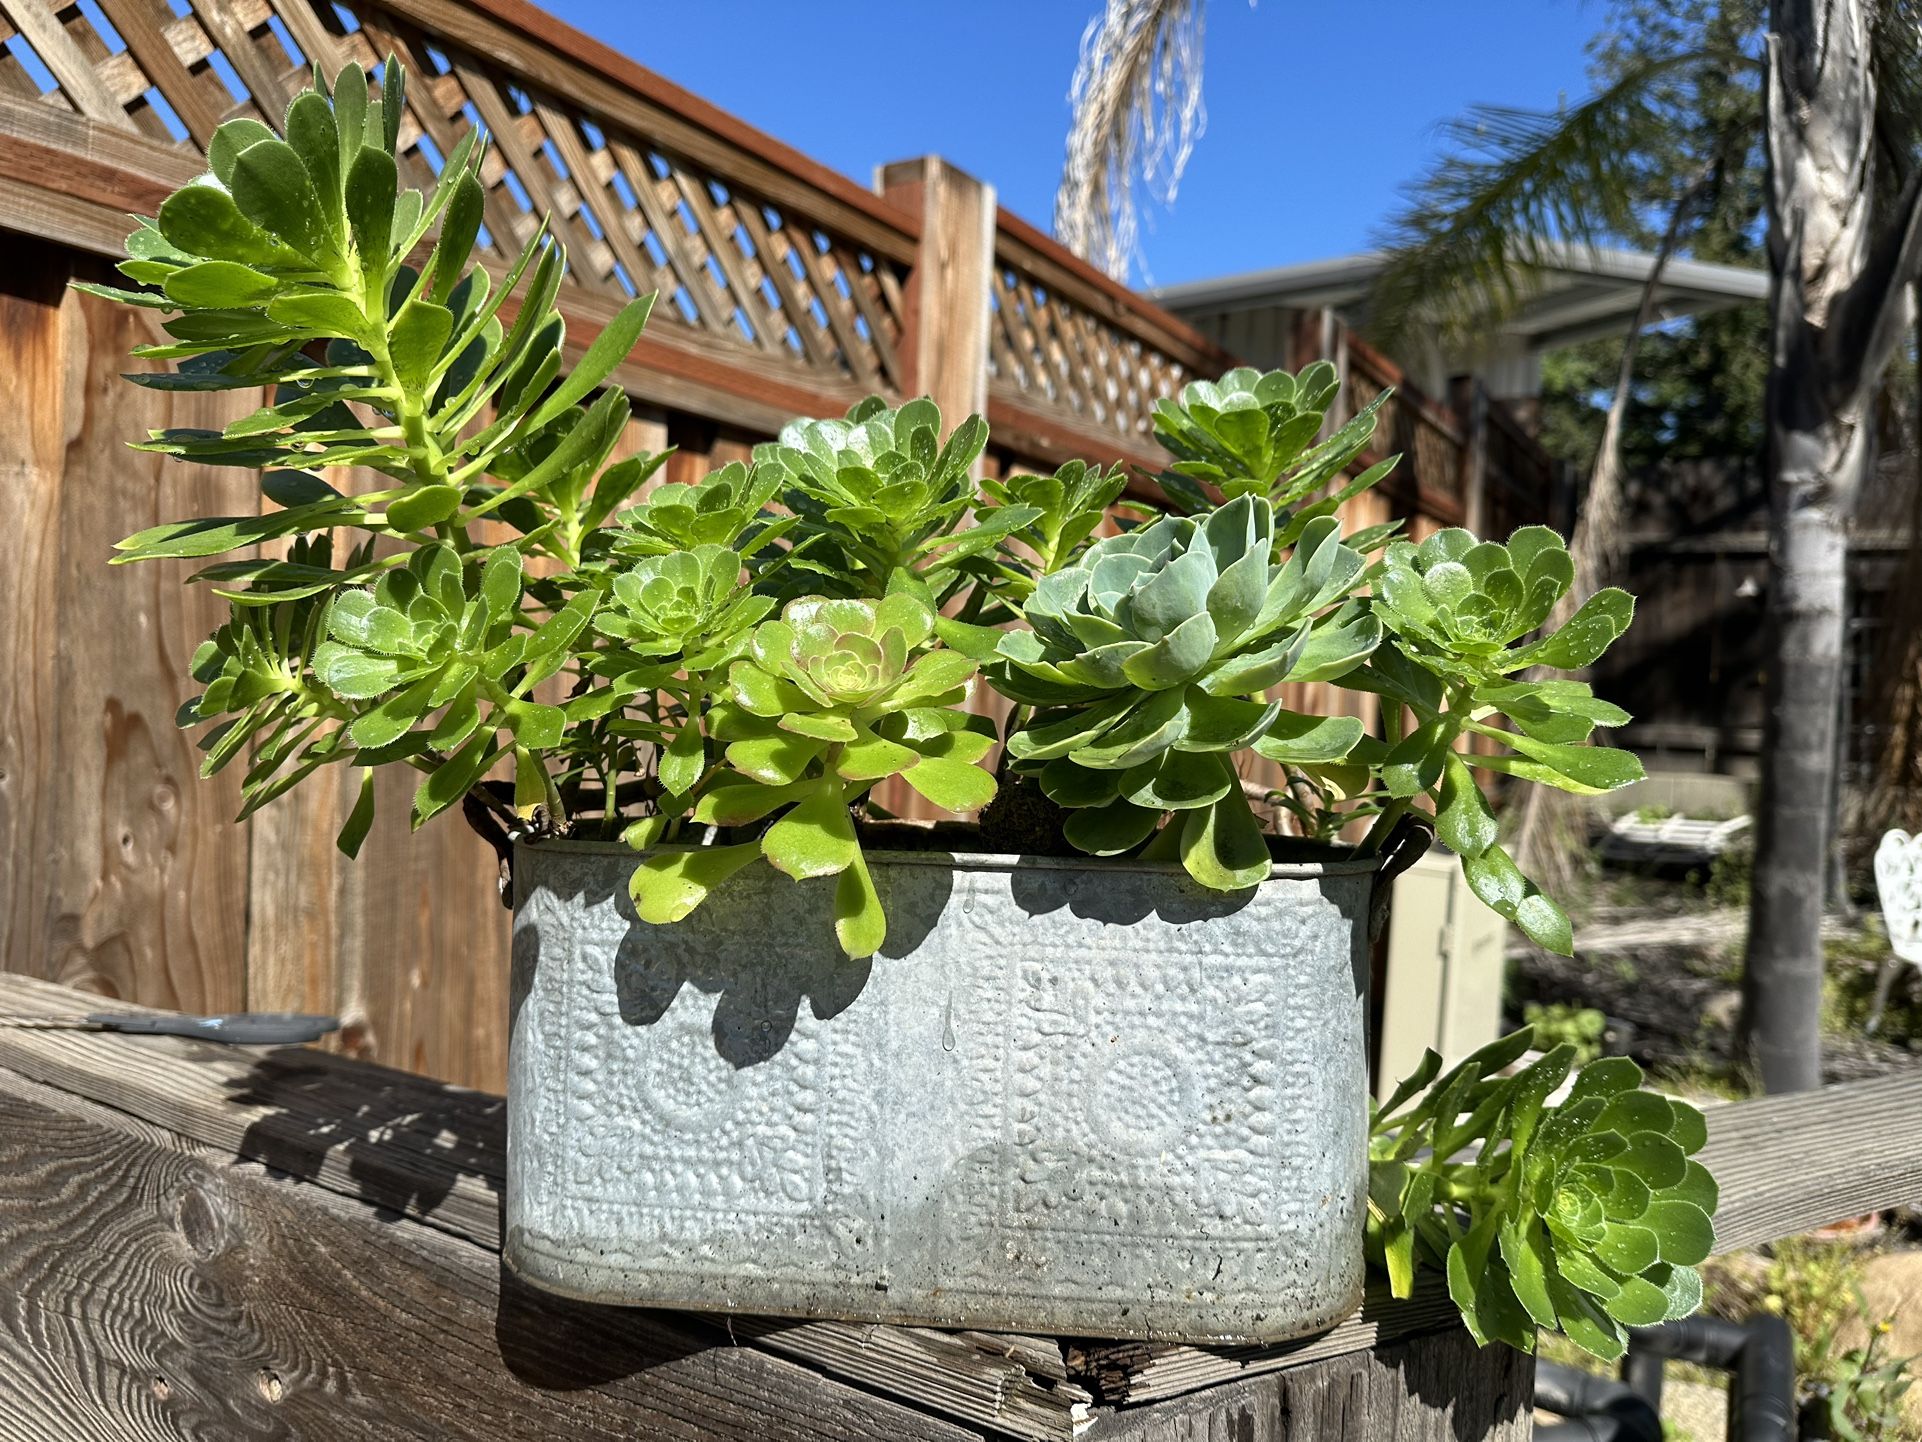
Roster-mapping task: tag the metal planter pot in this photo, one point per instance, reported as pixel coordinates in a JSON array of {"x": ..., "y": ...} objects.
[{"x": 1069, "y": 1098}]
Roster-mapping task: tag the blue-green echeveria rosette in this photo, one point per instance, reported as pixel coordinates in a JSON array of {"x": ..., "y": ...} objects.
[
  {"x": 1147, "y": 660},
  {"x": 831, "y": 697}
]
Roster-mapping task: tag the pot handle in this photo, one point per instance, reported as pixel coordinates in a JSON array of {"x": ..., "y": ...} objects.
[{"x": 1406, "y": 844}]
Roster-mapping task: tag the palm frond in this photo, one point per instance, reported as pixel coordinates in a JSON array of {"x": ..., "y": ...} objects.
[
  {"x": 1137, "y": 115},
  {"x": 1513, "y": 181}
]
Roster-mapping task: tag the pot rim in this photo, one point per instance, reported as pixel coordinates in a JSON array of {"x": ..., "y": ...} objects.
[{"x": 1336, "y": 865}]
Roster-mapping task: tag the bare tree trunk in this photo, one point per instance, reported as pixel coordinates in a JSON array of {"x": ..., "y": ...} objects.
[
  {"x": 1547, "y": 830},
  {"x": 1836, "y": 280},
  {"x": 1895, "y": 697}
]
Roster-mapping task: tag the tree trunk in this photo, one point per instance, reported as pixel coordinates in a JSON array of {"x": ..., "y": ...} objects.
[
  {"x": 1836, "y": 270},
  {"x": 1895, "y": 695}
]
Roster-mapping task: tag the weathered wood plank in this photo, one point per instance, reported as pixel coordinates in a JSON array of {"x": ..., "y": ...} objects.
[
  {"x": 1136, "y": 1372},
  {"x": 1440, "y": 1389},
  {"x": 154, "y": 1289},
  {"x": 1791, "y": 1163},
  {"x": 430, "y": 1152},
  {"x": 435, "y": 1154},
  {"x": 126, "y": 873},
  {"x": 946, "y": 347}
]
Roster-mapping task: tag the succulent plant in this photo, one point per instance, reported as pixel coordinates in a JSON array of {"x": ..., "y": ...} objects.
[
  {"x": 515, "y": 592},
  {"x": 1456, "y": 609},
  {"x": 1253, "y": 433},
  {"x": 880, "y": 494},
  {"x": 1065, "y": 510},
  {"x": 1585, "y": 1217},
  {"x": 721, "y": 509},
  {"x": 682, "y": 603},
  {"x": 1147, "y": 659},
  {"x": 833, "y": 697}
]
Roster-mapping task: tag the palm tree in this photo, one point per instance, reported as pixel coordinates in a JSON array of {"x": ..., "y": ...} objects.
[
  {"x": 1683, "y": 96},
  {"x": 1137, "y": 115}
]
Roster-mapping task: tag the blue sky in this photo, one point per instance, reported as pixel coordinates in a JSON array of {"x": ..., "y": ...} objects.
[{"x": 1317, "y": 112}]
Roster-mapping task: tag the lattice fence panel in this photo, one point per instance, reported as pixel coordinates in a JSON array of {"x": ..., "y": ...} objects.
[
  {"x": 633, "y": 215},
  {"x": 1059, "y": 355}
]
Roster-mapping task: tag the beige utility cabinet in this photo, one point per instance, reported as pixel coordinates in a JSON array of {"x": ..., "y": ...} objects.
[{"x": 1441, "y": 979}]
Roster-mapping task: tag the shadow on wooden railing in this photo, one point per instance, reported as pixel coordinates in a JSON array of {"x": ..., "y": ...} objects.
[{"x": 221, "y": 1239}]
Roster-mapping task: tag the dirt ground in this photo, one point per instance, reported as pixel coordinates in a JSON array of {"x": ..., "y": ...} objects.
[{"x": 1661, "y": 957}]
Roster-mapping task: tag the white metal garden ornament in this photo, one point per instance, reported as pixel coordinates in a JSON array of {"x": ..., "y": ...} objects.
[{"x": 1898, "y": 882}]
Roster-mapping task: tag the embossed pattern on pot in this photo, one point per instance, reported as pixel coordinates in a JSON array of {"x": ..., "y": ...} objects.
[{"x": 1070, "y": 1098}]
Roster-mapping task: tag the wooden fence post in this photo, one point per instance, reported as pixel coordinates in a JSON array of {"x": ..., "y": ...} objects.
[
  {"x": 1471, "y": 414},
  {"x": 945, "y": 348}
]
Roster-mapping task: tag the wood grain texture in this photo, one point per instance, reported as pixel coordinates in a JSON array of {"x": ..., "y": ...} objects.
[
  {"x": 433, "y": 1155},
  {"x": 949, "y": 285},
  {"x": 150, "y": 1288},
  {"x": 1788, "y": 1164},
  {"x": 1438, "y": 1389},
  {"x": 126, "y": 875}
]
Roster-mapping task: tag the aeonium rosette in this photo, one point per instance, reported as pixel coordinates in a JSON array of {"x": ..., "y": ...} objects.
[
  {"x": 832, "y": 697},
  {"x": 1147, "y": 664},
  {"x": 1585, "y": 1216}
]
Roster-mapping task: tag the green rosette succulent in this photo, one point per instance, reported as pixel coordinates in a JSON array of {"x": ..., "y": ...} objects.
[
  {"x": 1253, "y": 433},
  {"x": 1586, "y": 1217},
  {"x": 1459, "y": 613},
  {"x": 1064, "y": 509},
  {"x": 880, "y": 495},
  {"x": 728, "y": 507},
  {"x": 832, "y": 697},
  {"x": 682, "y": 603},
  {"x": 431, "y": 663},
  {"x": 1147, "y": 660}
]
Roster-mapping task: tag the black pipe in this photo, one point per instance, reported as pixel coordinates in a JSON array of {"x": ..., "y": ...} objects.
[
  {"x": 1642, "y": 1371},
  {"x": 1760, "y": 1352},
  {"x": 1764, "y": 1404},
  {"x": 1597, "y": 1409},
  {"x": 1709, "y": 1341}
]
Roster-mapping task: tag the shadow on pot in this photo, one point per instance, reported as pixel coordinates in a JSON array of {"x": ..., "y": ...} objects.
[{"x": 762, "y": 946}]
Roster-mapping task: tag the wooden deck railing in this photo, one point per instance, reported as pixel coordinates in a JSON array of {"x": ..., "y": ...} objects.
[
  {"x": 781, "y": 282},
  {"x": 1076, "y": 361},
  {"x": 207, "y": 1241}
]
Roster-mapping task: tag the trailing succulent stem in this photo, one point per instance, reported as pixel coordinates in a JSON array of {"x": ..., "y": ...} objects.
[{"x": 728, "y": 668}]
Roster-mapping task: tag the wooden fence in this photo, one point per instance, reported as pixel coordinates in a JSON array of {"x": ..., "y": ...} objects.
[{"x": 785, "y": 289}]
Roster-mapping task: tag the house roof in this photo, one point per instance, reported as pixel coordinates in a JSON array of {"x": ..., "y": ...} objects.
[{"x": 1582, "y": 292}]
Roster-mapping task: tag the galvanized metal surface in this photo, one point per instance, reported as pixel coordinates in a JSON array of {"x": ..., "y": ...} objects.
[{"x": 1067, "y": 1098}]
